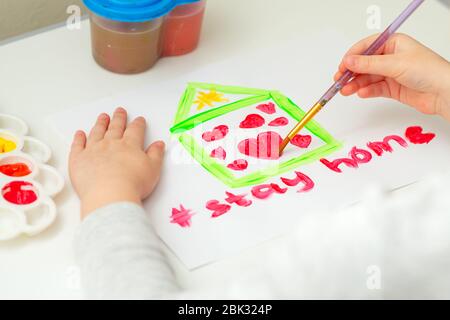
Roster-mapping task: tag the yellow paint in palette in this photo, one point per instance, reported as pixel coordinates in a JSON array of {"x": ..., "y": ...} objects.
[{"x": 7, "y": 145}]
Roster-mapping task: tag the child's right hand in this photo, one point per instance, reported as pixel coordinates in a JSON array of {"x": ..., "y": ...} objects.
[{"x": 404, "y": 70}]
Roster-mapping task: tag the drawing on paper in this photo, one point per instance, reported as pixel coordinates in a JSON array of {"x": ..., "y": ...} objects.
[{"x": 235, "y": 133}]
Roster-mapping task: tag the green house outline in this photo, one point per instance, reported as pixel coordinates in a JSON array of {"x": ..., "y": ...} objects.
[{"x": 185, "y": 123}]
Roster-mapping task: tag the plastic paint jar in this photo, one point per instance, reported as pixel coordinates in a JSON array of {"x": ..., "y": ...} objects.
[
  {"x": 182, "y": 28},
  {"x": 124, "y": 47},
  {"x": 127, "y": 35}
]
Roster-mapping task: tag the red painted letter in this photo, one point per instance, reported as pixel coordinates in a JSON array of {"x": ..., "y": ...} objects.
[
  {"x": 217, "y": 208},
  {"x": 360, "y": 155},
  {"x": 263, "y": 191},
  {"x": 308, "y": 183},
  {"x": 334, "y": 165},
  {"x": 238, "y": 199},
  {"x": 380, "y": 147}
]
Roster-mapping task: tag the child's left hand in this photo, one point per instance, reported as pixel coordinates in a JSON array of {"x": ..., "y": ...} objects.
[{"x": 111, "y": 165}]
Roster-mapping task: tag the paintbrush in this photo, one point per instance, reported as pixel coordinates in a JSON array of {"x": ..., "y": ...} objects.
[{"x": 348, "y": 75}]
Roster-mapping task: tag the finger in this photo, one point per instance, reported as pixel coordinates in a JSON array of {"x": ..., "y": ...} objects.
[
  {"x": 363, "y": 45},
  {"x": 337, "y": 75},
  {"x": 117, "y": 125},
  {"x": 384, "y": 65},
  {"x": 359, "y": 82},
  {"x": 78, "y": 144},
  {"x": 380, "y": 89},
  {"x": 99, "y": 129},
  {"x": 135, "y": 132},
  {"x": 156, "y": 153},
  {"x": 358, "y": 49}
]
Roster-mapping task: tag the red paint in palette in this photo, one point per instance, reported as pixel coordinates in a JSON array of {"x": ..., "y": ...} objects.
[
  {"x": 15, "y": 169},
  {"x": 19, "y": 193}
]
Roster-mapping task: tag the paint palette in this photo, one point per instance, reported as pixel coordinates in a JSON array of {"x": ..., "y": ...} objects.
[
  {"x": 27, "y": 184},
  {"x": 235, "y": 133}
]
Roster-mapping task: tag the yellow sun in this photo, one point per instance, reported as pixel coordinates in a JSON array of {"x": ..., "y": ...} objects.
[{"x": 208, "y": 99}]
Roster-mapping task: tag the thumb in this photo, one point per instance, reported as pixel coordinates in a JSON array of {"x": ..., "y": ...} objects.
[
  {"x": 156, "y": 152},
  {"x": 382, "y": 65}
]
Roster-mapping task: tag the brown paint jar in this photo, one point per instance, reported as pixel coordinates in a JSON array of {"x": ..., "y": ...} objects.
[
  {"x": 126, "y": 47},
  {"x": 129, "y": 36}
]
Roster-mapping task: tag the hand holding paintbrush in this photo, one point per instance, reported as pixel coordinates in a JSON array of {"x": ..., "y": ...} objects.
[{"x": 348, "y": 75}]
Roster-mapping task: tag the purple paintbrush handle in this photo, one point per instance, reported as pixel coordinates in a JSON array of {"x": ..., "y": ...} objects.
[{"x": 374, "y": 47}]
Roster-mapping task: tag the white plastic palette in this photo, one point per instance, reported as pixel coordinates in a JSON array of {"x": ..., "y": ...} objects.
[{"x": 26, "y": 204}]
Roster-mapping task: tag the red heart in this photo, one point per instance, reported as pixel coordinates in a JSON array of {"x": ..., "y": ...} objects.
[
  {"x": 218, "y": 133},
  {"x": 238, "y": 165},
  {"x": 416, "y": 136},
  {"x": 219, "y": 153},
  {"x": 301, "y": 141},
  {"x": 252, "y": 121},
  {"x": 279, "y": 122},
  {"x": 268, "y": 108},
  {"x": 265, "y": 146}
]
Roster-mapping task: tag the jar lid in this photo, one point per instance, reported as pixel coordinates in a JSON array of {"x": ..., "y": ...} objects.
[{"x": 133, "y": 10}]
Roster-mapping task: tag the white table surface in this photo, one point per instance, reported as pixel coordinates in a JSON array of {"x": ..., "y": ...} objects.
[{"x": 48, "y": 72}]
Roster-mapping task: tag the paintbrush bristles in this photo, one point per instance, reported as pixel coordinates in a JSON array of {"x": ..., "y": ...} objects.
[{"x": 303, "y": 122}]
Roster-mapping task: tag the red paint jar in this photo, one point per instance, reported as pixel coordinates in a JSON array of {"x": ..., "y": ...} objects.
[{"x": 182, "y": 28}]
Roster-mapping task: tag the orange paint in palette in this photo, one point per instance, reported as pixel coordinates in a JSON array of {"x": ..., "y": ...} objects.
[
  {"x": 15, "y": 170},
  {"x": 20, "y": 193}
]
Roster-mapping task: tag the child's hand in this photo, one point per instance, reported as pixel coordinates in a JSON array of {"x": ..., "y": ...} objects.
[
  {"x": 404, "y": 70},
  {"x": 111, "y": 165}
]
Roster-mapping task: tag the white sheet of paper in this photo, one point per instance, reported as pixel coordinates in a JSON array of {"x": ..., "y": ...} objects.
[{"x": 297, "y": 73}]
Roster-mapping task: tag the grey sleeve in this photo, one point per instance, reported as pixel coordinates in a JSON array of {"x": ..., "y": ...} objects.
[
  {"x": 120, "y": 256},
  {"x": 389, "y": 246}
]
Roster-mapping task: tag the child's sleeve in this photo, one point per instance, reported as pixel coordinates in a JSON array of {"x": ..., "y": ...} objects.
[{"x": 120, "y": 256}]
